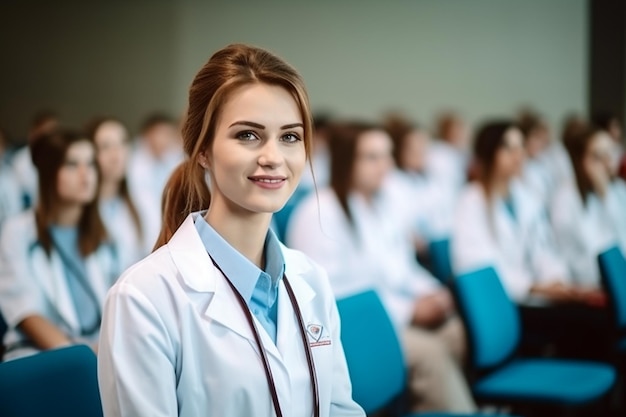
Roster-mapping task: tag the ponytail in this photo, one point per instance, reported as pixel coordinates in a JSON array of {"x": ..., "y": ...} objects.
[{"x": 186, "y": 192}]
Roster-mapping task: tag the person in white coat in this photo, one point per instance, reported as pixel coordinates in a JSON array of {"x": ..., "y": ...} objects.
[
  {"x": 24, "y": 169},
  {"x": 222, "y": 319},
  {"x": 56, "y": 264},
  {"x": 499, "y": 223},
  {"x": 589, "y": 215},
  {"x": 119, "y": 210},
  {"x": 156, "y": 154},
  {"x": 356, "y": 234},
  {"x": 10, "y": 197}
]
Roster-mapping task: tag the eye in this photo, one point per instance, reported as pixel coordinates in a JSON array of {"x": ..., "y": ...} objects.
[
  {"x": 247, "y": 136},
  {"x": 291, "y": 138}
]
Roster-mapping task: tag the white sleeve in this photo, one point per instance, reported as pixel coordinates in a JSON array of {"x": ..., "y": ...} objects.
[
  {"x": 323, "y": 236},
  {"x": 473, "y": 246},
  {"x": 20, "y": 296},
  {"x": 136, "y": 360}
]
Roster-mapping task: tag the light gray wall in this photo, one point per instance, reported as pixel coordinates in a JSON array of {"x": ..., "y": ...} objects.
[{"x": 359, "y": 58}]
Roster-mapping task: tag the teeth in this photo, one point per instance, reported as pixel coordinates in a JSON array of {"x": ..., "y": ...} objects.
[{"x": 268, "y": 180}]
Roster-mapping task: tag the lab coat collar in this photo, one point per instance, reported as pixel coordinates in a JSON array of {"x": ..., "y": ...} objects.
[{"x": 199, "y": 274}]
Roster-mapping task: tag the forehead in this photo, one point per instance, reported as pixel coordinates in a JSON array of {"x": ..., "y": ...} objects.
[
  {"x": 513, "y": 136},
  {"x": 269, "y": 105},
  {"x": 80, "y": 148},
  {"x": 374, "y": 139},
  {"x": 601, "y": 140}
]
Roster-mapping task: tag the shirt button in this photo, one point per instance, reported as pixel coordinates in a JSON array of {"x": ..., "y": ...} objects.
[{"x": 256, "y": 311}]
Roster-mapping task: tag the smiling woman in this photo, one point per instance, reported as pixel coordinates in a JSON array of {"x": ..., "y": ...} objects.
[{"x": 210, "y": 317}]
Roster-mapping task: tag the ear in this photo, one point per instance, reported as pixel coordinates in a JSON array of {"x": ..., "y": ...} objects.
[{"x": 203, "y": 160}]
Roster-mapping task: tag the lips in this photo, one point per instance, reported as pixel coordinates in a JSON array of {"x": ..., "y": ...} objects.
[{"x": 266, "y": 181}]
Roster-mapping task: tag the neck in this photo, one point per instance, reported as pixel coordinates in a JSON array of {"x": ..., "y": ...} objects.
[
  {"x": 68, "y": 215},
  {"x": 499, "y": 187},
  {"x": 246, "y": 232},
  {"x": 109, "y": 189}
]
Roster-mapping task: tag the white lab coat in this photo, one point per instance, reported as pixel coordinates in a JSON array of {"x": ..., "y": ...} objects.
[
  {"x": 522, "y": 250},
  {"x": 31, "y": 283},
  {"x": 10, "y": 196},
  {"x": 447, "y": 165},
  {"x": 175, "y": 342},
  {"x": 26, "y": 175},
  {"x": 421, "y": 203},
  {"x": 131, "y": 247},
  {"x": 147, "y": 177},
  {"x": 583, "y": 231},
  {"x": 376, "y": 254}
]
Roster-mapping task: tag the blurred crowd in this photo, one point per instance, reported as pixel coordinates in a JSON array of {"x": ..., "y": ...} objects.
[{"x": 539, "y": 205}]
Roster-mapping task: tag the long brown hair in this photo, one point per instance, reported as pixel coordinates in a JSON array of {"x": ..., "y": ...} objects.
[
  {"x": 343, "y": 142},
  {"x": 92, "y": 130},
  {"x": 228, "y": 69},
  {"x": 577, "y": 145},
  {"x": 48, "y": 152},
  {"x": 489, "y": 139}
]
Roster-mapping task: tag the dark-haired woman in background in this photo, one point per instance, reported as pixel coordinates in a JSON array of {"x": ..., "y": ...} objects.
[
  {"x": 56, "y": 262},
  {"x": 499, "y": 223},
  {"x": 589, "y": 215},
  {"x": 118, "y": 210},
  {"x": 362, "y": 242}
]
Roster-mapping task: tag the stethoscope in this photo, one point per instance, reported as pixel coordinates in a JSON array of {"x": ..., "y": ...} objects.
[{"x": 257, "y": 338}]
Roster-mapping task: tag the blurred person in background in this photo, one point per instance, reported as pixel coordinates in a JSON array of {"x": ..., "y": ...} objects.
[
  {"x": 589, "y": 215},
  {"x": 119, "y": 211},
  {"x": 320, "y": 157},
  {"x": 25, "y": 172},
  {"x": 56, "y": 263},
  {"x": 536, "y": 175},
  {"x": 499, "y": 223},
  {"x": 448, "y": 157},
  {"x": 10, "y": 196},
  {"x": 361, "y": 243},
  {"x": 611, "y": 124},
  {"x": 427, "y": 213},
  {"x": 156, "y": 155}
]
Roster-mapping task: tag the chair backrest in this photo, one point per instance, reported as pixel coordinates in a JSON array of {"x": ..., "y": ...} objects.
[
  {"x": 373, "y": 351},
  {"x": 491, "y": 319},
  {"x": 281, "y": 217},
  {"x": 440, "y": 262},
  {"x": 613, "y": 272},
  {"x": 54, "y": 383}
]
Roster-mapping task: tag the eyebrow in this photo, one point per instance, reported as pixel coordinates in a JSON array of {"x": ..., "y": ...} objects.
[{"x": 260, "y": 126}]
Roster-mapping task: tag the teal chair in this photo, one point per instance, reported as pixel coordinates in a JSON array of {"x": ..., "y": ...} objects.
[
  {"x": 374, "y": 355},
  {"x": 280, "y": 219},
  {"x": 55, "y": 383},
  {"x": 613, "y": 273},
  {"x": 493, "y": 328},
  {"x": 440, "y": 263}
]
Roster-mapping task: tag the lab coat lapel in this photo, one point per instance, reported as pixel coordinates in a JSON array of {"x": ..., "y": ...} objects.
[
  {"x": 51, "y": 275},
  {"x": 200, "y": 275},
  {"x": 288, "y": 327}
]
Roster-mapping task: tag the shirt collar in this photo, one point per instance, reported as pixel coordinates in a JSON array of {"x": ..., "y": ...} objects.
[{"x": 239, "y": 269}]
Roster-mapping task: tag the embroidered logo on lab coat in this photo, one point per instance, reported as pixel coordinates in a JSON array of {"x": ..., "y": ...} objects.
[{"x": 317, "y": 335}]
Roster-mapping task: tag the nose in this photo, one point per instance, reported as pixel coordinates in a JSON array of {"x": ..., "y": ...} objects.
[{"x": 270, "y": 155}]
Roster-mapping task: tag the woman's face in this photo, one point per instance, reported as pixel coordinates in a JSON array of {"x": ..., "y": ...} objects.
[
  {"x": 111, "y": 141},
  {"x": 77, "y": 178},
  {"x": 258, "y": 153},
  {"x": 373, "y": 161},
  {"x": 597, "y": 161},
  {"x": 414, "y": 152},
  {"x": 509, "y": 158},
  {"x": 537, "y": 141}
]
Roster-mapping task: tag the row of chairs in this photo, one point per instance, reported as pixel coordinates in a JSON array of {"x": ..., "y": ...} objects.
[
  {"x": 498, "y": 376},
  {"x": 64, "y": 381}
]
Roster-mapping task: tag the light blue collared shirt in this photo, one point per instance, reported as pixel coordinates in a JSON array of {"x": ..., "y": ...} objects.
[{"x": 258, "y": 288}]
